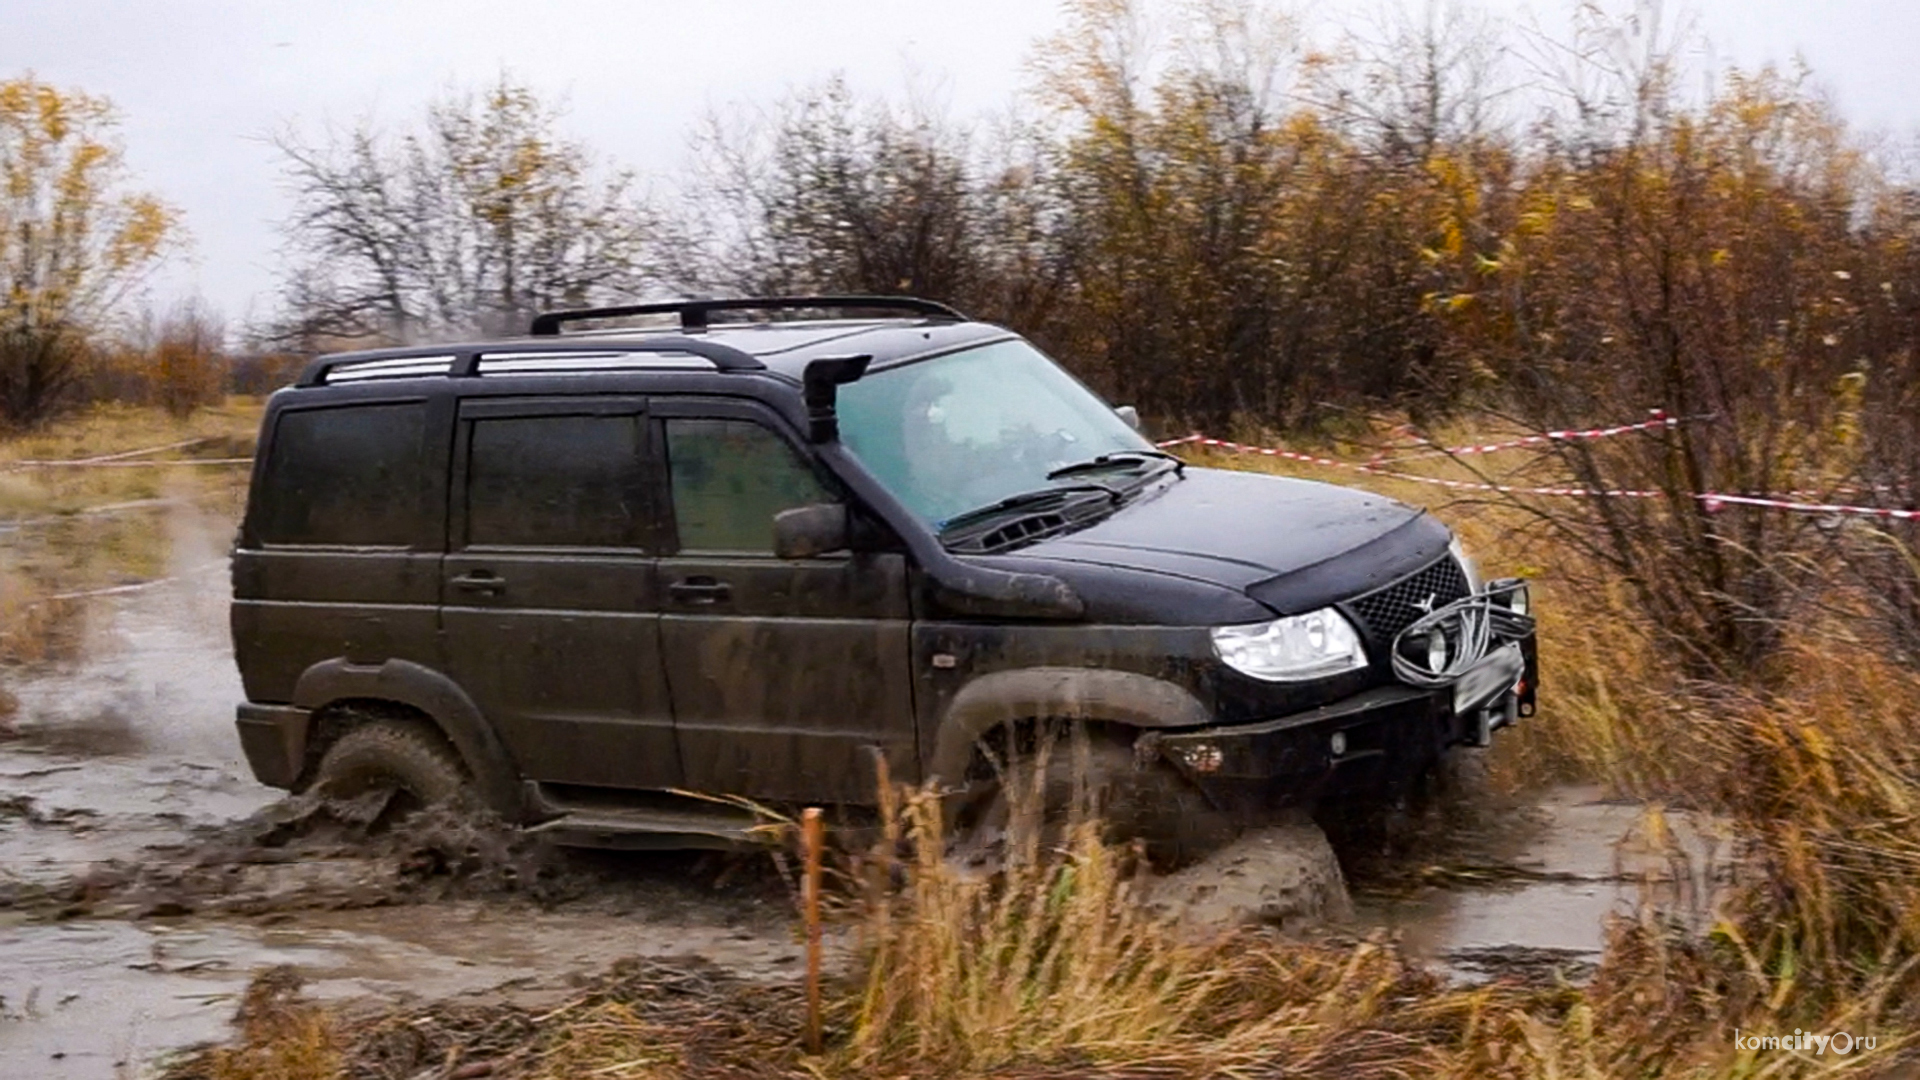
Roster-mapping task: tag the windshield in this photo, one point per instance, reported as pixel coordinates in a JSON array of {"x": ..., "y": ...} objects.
[{"x": 970, "y": 428}]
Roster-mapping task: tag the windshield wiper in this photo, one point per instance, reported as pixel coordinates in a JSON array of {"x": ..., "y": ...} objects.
[
  {"x": 1117, "y": 457},
  {"x": 1026, "y": 499}
]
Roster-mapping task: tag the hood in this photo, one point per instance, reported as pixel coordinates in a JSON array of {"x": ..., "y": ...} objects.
[{"x": 1294, "y": 545}]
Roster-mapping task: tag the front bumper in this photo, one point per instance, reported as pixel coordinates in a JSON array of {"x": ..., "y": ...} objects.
[{"x": 1379, "y": 741}]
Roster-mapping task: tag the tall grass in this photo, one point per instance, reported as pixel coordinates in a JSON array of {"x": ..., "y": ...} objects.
[{"x": 1051, "y": 961}]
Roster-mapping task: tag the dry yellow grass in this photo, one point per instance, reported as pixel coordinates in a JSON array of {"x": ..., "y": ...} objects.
[
  {"x": 67, "y": 530},
  {"x": 282, "y": 1036}
]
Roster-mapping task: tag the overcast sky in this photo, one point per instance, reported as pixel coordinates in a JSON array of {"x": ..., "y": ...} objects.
[{"x": 202, "y": 83}]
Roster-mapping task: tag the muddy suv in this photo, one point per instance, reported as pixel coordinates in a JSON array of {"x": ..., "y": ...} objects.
[{"x": 580, "y": 574}]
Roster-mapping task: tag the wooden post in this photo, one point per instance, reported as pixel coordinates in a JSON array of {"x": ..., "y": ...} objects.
[{"x": 813, "y": 839}]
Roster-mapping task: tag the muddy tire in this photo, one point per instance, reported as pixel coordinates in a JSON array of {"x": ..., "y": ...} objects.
[
  {"x": 406, "y": 757},
  {"x": 1146, "y": 803}
]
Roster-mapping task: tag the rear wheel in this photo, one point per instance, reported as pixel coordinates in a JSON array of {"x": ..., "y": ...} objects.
[
  {"x": 1094, "y": 778},
  {"x": 407, "y": 761}
]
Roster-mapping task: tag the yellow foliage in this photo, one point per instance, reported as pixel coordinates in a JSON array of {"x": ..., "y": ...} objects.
[{"x": 68, "y": 246}]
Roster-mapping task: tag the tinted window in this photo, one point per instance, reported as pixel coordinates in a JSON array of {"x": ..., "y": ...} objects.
[
  {"x": 729, "y": 478},
  {"x": 350, "y": 475},
  {"x": 570, "y": 481}
]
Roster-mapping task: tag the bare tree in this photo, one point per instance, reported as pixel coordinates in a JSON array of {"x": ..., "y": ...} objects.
[
  {"x": 483, "y": 216},
  {"x": 1421, "y": 78},
  {"x": 828, "y": 194}
]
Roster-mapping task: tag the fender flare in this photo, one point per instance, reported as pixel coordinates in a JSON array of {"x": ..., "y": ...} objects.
[
  {"x": 440, "y": 698},
  {"x": 1121, "y": 697}
]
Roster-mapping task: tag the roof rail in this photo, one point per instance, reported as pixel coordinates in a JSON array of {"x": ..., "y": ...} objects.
[
  {"x": 465, "y": 360},
  {"x": 693, "y": 313}
]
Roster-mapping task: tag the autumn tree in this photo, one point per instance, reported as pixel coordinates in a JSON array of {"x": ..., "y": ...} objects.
[
  {"x": 483, "y": 215},
  {"x": 1240, "y": 255},
  {"x": 188, "y": 358},
  {"x": 829, "y": 194},
  {"x": 75, "y": 242}
]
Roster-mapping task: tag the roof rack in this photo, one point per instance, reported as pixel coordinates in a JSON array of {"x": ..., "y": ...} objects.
[
  {"x": 693, "y": 313},
  {"x": 524, "y": 358}
]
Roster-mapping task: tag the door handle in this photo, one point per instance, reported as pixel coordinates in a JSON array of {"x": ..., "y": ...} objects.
[
  {"x": 481, "y": 581},
  {"x": 700, "y": 590}
]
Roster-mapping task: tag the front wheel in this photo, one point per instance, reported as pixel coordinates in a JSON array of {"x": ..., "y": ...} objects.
[{"x": 1039, "y": 794}]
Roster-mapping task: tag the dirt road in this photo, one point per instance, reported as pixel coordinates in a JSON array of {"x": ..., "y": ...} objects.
[{"x": 133, "y": 909}]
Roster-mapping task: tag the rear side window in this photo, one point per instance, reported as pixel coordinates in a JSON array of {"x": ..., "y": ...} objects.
[
  {"x": 348, "y": 475},
  {"x": 557, "y": 481},
  {"x": 730, "y": 477}
]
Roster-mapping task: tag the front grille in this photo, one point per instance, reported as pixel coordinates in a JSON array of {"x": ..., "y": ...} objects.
[{"x": 1383, "y": 613}]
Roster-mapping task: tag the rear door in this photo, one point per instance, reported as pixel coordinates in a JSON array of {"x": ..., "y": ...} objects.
[
  {"x": 549, "y": 606},
  {"x": 340, "y": 553},
  {"x": 787, "y": 675}
]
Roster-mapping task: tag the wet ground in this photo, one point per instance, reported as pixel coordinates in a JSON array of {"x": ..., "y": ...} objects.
[
  {"x": 133, "y": 910},
  {"x": 1527, "y": 891}
]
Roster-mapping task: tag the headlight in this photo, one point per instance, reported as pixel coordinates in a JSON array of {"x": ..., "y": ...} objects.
[
  {"x": 1467, "y": 566},
  {"x": 1310, "y": 646}
]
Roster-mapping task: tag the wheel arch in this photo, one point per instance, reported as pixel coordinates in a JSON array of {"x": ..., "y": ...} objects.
[
  {"x": 1096, "y": 695},
  {"x": 434, "y": 696}
]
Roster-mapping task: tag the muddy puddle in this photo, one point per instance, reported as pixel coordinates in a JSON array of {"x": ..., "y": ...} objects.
[
  {"x": 106, "y": 997},
  {"x": 124, "y": 781},
  {"x": 1531, "y": 897}
]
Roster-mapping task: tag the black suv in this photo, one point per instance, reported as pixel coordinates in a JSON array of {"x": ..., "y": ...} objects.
[{"x": 580, "y": 574}]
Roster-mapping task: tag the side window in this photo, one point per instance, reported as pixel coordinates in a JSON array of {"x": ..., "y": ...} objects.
[
  {"x": 350, "y": 475},
  {"x": 557, "y": 481},
  {"x": 729, "y": 478}
]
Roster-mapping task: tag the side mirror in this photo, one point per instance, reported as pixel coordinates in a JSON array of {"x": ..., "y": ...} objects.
[
  {"x": 806, "y": 531},
  {"x": 1131, "y": 415}
]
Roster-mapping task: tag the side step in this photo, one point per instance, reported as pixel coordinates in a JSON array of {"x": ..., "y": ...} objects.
[{"x": 601, "y": 823}]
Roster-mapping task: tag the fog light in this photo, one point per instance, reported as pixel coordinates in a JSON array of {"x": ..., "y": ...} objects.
[
  {"x": 1520, "y": 601},
  {"x": 1437, "y": 651},
  {"x": 1200, "y": 757},
  {"x": 1338, "y": 744}
]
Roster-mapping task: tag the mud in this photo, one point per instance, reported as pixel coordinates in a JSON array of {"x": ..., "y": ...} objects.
[
  {"x": 1525, "y": 891},
  {"x": 86, "y": 998},
  {"x": 145, "y": 877},
  {"x": 1281, "y": 876}
]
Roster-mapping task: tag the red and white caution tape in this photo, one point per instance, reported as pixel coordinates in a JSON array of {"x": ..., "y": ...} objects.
[
  {"x": 1711, "y": 501},
  {"x": 122, "y": 460},
  {"x": 166, "y": 464},
  {"x": 1660, "y": 420},
  {"x": 1375, "y": 470},
  {"x": 138, "y": 586}
]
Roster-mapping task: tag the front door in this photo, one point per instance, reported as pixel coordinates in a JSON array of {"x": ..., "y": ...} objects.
[
  {"x": 550, "y": 613},
  {"x": 787, "y": 675}
]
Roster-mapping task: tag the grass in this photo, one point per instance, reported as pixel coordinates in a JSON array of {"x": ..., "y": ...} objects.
[
  {"x": 70, "y": 530},
  {"x": 1050, "y": 969}
]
